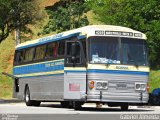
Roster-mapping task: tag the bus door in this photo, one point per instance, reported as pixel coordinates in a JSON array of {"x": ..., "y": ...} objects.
[{"x": 74, "y": 71}]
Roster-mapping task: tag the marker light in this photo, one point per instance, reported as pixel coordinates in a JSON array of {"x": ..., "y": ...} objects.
[{"x": 148, "y": 87}]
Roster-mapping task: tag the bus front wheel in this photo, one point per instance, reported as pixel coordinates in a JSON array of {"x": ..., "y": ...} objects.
[
  {"x": 124, "y": 107},
  {"x": 28, "y": 101},
  {"x": 77, "y": 105}
]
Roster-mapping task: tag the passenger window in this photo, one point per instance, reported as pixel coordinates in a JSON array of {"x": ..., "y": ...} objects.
[
  {"x": 40, "y": 52},
  {"x": 16, "y": 57},
  {"x": 51, "y": 50},
  {"x": 21, "y": 56},
  {"x": 29, "y": 55}
]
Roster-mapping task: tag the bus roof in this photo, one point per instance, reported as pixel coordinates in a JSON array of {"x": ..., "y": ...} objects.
[{"x": 87, "y": 31}]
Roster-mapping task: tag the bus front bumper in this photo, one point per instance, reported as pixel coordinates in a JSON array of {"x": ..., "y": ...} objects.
[{"x": 118, "y": 97}]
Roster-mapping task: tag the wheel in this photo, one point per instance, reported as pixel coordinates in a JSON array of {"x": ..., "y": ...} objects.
[
  {"x": 77, "y": 105},
  {"x": 67, "y": 104},
  {"x": 124, "y": 107},
  {"x": 28, "y": 101},
  {"x": 27, "y": 97},
  {"x": 36, "y": 103}
]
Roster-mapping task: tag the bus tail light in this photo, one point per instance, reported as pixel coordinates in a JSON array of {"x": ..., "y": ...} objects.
[{"x": 91, "y": 84}]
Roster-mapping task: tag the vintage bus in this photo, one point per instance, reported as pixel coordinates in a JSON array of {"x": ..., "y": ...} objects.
[{"x": 99, "y": 64}]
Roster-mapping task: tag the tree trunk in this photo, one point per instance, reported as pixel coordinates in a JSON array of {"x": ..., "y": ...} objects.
[{"x": 17, "y": 34}]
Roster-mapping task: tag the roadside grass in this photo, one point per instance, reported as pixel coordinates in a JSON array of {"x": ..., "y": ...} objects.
[
  {"x": 6, "y": 87},
  {"x": 6, "y": 63},
  {"x": 154, "y": 79}
]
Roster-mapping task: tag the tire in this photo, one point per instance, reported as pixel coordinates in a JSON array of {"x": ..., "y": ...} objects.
[
  {"x": 77, "y": 105},
  {"x": 67, "y": 104},
  {"x": 36, "y": 103},
  {"x": 28, "y": 101},
  {"x": 27, "y": 97},
  {"x": 124, "y": 107}
]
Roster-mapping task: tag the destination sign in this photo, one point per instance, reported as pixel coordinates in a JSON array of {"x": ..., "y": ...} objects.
[{"x": 118, "y": 33}]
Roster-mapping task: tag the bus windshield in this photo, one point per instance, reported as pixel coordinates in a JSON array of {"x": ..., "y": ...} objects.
[
  {"x": 114, "y": 50},
  {"x": 134, "y": 51}
]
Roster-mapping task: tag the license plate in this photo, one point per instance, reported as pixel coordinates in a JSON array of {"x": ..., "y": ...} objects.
[{"x": 121, "y": 86}]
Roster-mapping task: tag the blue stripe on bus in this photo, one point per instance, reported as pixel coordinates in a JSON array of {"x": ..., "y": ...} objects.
[
  {"x": 37, "y": 68},
  {"x": 118, "y": 72},
  {"x": 47, "y": 41}
]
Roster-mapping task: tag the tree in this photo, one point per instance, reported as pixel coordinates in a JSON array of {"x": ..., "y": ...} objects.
[
  {"x": 16, "y": 14},
  {"x": 66, "y": 15},
  {"x": 142, "y": 15}
]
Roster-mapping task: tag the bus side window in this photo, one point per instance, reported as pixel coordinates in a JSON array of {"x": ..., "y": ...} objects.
[
  {"x": 16, "y": 57},
  {"x": 21, "y": 56},
  {"x": 61, "y": 48},
  {"x": 29, "y": 55},
  {"x": 51, "y": 51},
  {"x": 40, "y": 52}
]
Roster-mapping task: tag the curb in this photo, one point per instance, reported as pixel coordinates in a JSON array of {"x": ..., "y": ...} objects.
[{"x": 3, "y": 101}]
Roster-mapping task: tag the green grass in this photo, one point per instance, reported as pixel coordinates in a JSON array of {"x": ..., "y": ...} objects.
[
  {"x": 6, "y": 87},
  {"x": 154, "y": 80},
  {"x": 6, "y": 63}
]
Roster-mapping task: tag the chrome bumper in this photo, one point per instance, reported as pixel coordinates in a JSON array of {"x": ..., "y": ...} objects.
[{"x": 118, "y": 97}]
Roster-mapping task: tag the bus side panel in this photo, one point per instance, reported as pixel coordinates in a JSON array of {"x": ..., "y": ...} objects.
[
  {"x": 75, "y": 86},
  {"x": 48, "y": 88}
]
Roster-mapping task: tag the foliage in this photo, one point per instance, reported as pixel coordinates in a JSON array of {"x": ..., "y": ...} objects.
[
  {"x": 142, "y": 15},
  {"x": 6, "y": 64},
  {"x": 66, "y": 15},
  {"x": 16, "y": 14},
  {"x": 154, "y": 80},
  {"x": 7, "y": 48}
]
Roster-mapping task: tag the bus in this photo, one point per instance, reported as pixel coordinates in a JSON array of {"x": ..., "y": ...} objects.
[{"x": 103, "y": 64}]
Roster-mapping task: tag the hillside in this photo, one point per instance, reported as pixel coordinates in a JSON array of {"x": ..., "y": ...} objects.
[{"x": 7, "y": 48}]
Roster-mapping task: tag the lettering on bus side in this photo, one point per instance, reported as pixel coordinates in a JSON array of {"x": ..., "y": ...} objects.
[
  {"x": 54, "y": 64},
  {"x": 51, "y": 37}
]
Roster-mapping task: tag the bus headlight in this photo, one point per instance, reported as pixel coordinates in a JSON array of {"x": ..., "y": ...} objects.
[
  {"x": 140, "y": 86},
  {"x": 101, "y": 85}
]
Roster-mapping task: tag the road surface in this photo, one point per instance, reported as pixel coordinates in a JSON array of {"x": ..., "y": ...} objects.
[{"x": 47, "y": 111}]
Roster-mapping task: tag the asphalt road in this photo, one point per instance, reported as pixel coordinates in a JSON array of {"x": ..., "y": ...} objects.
[{"x": 53, "y": 111}]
